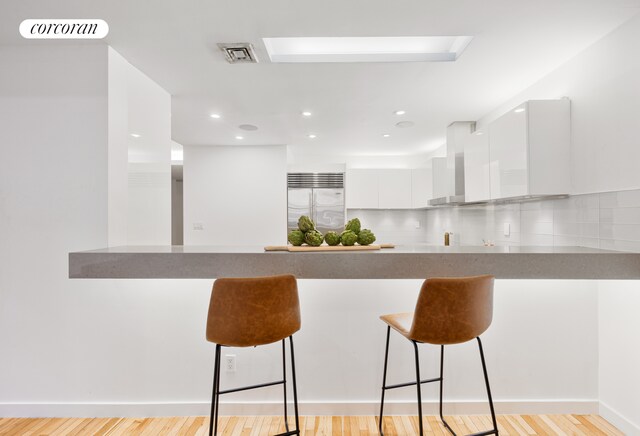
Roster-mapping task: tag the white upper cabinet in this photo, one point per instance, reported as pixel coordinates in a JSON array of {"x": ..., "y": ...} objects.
[
  {"x": 394, "y": 189},
  {"x": 476, "y": 167},
  {"x": 421, "y": 187},
  {"x": 529, "y": 150},
  {"x": 440, "y": 177},
  {"x": 388, "y": 188},
  {"x": 361, "y": 189}
]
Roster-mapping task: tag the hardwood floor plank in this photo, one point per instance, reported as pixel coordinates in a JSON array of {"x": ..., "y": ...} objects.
[
  {"x": 434, "y": 424},
  {"x": 107, "y": 426},
  {"x": 506, "y": 427},
  {"x": 309, "y": 425},
  {"x": 553, "y": 425},
  {"x": 568, "y": 425},
  {"x": 17, "y": 425},
  {"x": 605, "y": 426},
  {"x": 192, "y": 428},
  {"x": 32, "y": 423},
  {"x": 520, "y": 425},
  {"x": 36, "y": 429}
]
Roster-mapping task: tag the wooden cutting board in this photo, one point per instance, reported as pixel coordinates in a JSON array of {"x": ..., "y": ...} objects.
[{"x": 306, "y": 248}]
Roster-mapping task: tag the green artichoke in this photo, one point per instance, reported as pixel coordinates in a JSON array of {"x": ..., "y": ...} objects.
[
  {"x": 313, "y": 238},
  {"x": 353, "y": 225},
  {"x": 332, "y": 238},
  {"x": 305, "y": 224},
  {"x": 348, "y": 238},
  {"x": 296, "y": 237},
  {"x": 366, "y": 237}
]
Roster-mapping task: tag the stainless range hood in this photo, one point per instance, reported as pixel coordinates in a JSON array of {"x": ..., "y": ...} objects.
[{"x": 453, "y": 178}]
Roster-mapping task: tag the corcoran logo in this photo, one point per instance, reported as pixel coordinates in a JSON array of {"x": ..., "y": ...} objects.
[{"x": 64, "y": 29}]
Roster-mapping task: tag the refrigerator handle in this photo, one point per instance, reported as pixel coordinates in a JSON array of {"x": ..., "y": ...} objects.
[{"x": 312, "y": 208}]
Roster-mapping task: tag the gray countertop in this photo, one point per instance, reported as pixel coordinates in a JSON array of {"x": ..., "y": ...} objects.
[{"x": 402, "y": 262}]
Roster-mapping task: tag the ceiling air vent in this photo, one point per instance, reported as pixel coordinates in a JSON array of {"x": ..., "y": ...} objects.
[{"x": 239, "y": 53}]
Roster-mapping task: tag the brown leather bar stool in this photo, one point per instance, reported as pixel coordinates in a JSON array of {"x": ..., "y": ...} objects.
[
  {"x": 247, "y": 312},
  {"x": 449, "y": 311}
]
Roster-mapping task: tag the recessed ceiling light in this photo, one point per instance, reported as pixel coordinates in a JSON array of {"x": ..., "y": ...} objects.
[
  {"x": 366, "y": 49},
  {"x": 479, "y": 133},
  {"x": 216, "y": 116},
  {"x": 386, "y": 135},
  {"x": 400, "y": 112},
  {"x": 405, "y": 124},
  {"x": 311, "y": 136},
  {"x": 248, "y": 127},
  {"x": 306, "y": 114},
  {"x": 239, "y": 137},
  {"x": 520, "y": 109},
  {"x": 135, "y": 135}
]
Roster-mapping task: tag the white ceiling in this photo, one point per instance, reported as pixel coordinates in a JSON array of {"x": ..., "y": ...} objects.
[{"x": 174, "y": 42}]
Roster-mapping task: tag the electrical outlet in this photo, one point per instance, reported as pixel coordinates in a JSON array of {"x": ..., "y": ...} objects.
[
  {"x": 507, "y": 229},
  {"x": 198, "y": 226},
  {"x": 230, "y": 362},
  {"x": 418, "y": 224}
]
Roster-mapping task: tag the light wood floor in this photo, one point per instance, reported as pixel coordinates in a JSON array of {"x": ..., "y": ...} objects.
[{"x": 311, "y": 425}]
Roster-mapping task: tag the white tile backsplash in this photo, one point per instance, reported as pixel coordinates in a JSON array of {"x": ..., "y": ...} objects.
[
  {"x": 624, "y": 232},
  {"x": 393, "y": 226},
  {"x": 620, "y": 199},
  {"x": 622, "y": 215},
  {"x": 609, "y": 221}
]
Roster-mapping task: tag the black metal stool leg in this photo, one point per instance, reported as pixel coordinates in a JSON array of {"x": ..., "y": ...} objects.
[
  {"x": 215, "y": 423},
  {"x": 384, "y": 379},
  {"x": 419, "y": 387},
  {"x": 284, "y": 385},
  {"x": 295, "y": 387},
  {"x": 441, "y": 378},
  {"x": 441, "y": 390},
  {"x": 486, "y": 381},
  {"x": 215, "y": 389}
]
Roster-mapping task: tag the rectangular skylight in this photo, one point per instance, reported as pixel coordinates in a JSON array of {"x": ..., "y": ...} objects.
[{"x": 367, "y": 49}]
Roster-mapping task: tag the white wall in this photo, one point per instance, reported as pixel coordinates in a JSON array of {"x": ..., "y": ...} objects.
[
  {"x": 619, "y": 380},
  {"x": 53, "y": 199},
  {"x": 177, "y": 212},
  {"x": 140, "y": 166},
  {"x": 238, "y": 194},
  {"x": 602, "y": 83}
]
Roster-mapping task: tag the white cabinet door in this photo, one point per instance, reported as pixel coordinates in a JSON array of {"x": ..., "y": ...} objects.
[
  {"x": 508, "y": 153},
  {"x": 530, "y": 150},
  {"x": 476, "y": 167},
  {"x": 361, "y": 189},
  {"x": 549, "y": 146},
  {"x": 394, "y": 190},
  {"x": 440, "y": 177},
  {"x": 421, "y": 187}
]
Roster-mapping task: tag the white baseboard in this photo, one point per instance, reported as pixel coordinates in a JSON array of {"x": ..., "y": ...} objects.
[
  {"x": 623, "y": 424},
  {"x": 91, "y": 410}
]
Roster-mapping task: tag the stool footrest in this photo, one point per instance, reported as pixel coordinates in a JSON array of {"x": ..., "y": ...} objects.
[
  {"x": 403, "y": 385},
  {"x": 246, "y": 388},
  {"x": 292, "y": 432},
  {"x": 484, "y": 433}
]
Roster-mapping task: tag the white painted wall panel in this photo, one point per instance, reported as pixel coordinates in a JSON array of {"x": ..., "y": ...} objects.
[
  {"x": 139, "y": 157},
  {"x": 619, "y": 382},
  {"x": 237, "y": 194}
]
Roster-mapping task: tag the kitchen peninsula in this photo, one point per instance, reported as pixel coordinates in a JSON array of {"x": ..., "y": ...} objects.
[{"x": 402, "y": 262}]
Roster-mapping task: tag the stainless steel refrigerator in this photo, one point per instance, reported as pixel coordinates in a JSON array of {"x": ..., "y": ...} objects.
[{"x": 319, "y": 196}]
